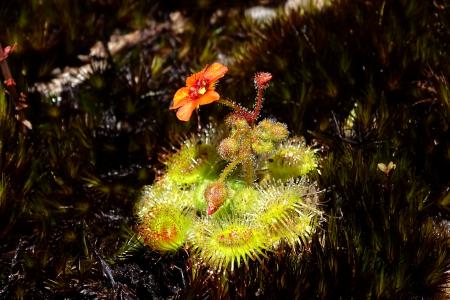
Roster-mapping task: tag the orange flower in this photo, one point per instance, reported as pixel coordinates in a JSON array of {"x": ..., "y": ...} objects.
[{"x": 199, "y": 90}]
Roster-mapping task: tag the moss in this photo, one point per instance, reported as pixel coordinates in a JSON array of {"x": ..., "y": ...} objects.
[{"x": 365, "y": 81}]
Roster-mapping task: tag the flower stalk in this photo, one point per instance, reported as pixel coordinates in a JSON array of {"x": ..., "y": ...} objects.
[{"x": 19, "y": 99}]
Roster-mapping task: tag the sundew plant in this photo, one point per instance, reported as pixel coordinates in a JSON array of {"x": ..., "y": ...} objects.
[{"x": 231, "y": 193}]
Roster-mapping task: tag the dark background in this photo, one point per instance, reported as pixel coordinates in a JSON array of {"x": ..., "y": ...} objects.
[{"x": 364, "y": 81}]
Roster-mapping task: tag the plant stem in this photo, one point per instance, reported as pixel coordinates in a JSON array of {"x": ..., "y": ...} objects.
[
  {"x": 249, "y": 171},
  {"x": 18, "y": 100},
  {"x": 228, "y": 169},
  {"x": 249, "y": 116},
  {"x": 230, "y": 104},
  {"x": 258, "y": 105},
  {"x": 7, "y": 74},
  {"x": 237, "y": 108}
]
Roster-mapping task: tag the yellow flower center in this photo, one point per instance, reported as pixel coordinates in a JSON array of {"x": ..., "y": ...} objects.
[{"x": 202, "y": 90}]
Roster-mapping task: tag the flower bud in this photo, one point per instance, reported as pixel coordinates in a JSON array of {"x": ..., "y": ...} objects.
[
  {"x": 215, "y": 195},
  {"x": 228, "y": 148},
  {"x": 237, "y": 121},
  {"x": 262, "y": 79},
  {"x": 271, "y": 130},
  {"x": 262, "y": 147}
]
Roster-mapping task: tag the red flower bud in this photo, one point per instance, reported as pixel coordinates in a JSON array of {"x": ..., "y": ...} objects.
[
  {"x": 10, "y": 82},
  {"x": 215, "y": 195},
  {"x": 7, "y": 51},
  {"x": 262, "y": 79}
]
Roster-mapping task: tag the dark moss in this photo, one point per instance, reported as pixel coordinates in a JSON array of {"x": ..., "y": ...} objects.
[{"x": 71, "y": 182}]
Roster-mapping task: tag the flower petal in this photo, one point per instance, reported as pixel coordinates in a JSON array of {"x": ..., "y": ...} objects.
[
  {"x": 208, "y": 97},
  {"x": 214, "y": 72},
  {"x": 185, "y": 112},
  {"x": 181, "y": 98},
  {"x": 191, "y": 80}
]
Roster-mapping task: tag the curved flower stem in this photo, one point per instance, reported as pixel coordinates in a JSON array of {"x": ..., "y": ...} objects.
[
  {"x": 228, "y": 169},
  {"x": 258, "y": 105},
  {"x": 230, "y": 104},
  {"x": 199, "y": 124},
  {"x": 7, "y": 74},
  {"x": 237, "y": 109},
  {"x": 19, "y": 100},
  {"x": 249, "y": 116}
]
